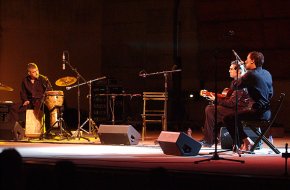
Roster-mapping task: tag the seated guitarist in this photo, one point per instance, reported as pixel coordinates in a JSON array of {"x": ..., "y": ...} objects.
[{"x": 226, "y": 104}]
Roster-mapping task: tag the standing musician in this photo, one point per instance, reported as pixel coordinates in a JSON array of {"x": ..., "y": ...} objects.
[
  {"x": 226, "y": 104},
  {"x": 259, "y": 84}
]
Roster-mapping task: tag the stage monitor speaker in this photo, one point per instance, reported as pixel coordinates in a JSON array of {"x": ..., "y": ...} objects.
[
  {"x": 227, "y": 141},
  {"x": 118, "y": 134},
  {"x": 178, "y": 143},
  {"x": 11, "y": 131}
]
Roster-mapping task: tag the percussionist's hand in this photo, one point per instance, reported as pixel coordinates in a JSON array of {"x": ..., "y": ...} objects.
[{"x": 26, "y": 103}]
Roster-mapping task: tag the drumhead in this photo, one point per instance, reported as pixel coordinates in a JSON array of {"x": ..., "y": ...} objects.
[{"x": 54, "y": 93}]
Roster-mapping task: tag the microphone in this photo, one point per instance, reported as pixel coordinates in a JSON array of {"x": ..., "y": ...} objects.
[
  {"x": 240, "y": 62},
  {"x": 68, "y": 88},
  {"x": 47, "y": 82},
  {"x": 45, "y": 77},
  {"x": 64, "y": 60}
]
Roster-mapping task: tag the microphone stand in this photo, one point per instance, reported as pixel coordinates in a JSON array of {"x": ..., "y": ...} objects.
[
  {"x": 42, "y": 107},
  {"x": 78, "y": 94},
  {"x": 165, "y": 73},
  {"x": 236, "y": 146},
  {"x": 215, "y": 155},
  {"x": 92, "y": 124}
]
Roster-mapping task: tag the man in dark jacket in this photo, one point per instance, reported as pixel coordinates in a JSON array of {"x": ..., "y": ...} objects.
[{"x": 258, "y": 82}]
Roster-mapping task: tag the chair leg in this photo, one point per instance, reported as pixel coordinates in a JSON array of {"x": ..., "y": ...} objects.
[
  {"x": 271, "y": 145},
  {"x": 261, "y": 136},
  {"x": 143, "y": 128},
  {"x": 163, "y": 123}
]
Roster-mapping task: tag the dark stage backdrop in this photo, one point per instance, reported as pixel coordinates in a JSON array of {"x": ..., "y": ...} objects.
[{"x": 118, "y": 39}]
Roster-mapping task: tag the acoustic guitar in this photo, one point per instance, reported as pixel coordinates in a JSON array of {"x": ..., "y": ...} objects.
[{"x": 225, "y": 93}]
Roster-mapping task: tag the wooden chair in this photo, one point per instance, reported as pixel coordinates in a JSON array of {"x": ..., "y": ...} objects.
[
  {"x": 265, "y": 125},
  {"x": 151, "y": 114}
]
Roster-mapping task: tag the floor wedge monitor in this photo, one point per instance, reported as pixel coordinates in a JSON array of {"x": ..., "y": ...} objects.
[
  {"x": 118, "y": 134},
  {"x": 178, "y": 143}
]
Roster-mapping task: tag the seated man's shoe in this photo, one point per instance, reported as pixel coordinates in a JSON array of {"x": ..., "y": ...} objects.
[
  {"x": 207, "y": 145},
  {"x": 204, "y": 143},
  {"x": 247, "y": 144}
]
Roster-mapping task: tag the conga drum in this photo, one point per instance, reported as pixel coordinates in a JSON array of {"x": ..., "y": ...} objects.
[{"x": 53, "y": 101}]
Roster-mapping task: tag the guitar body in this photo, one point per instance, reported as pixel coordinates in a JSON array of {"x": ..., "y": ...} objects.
[{"x": 227, "y": 92}]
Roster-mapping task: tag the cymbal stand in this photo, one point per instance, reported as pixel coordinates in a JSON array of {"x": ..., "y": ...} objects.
[
  {"x": 92, "y": 125},
  {"x": 165, "y": 73}
]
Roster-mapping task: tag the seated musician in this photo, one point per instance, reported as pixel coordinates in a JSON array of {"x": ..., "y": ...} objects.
[
  {"x": 226, "y": 103},
  {"x": 33, "y": 87},
  {"x": 32, "y": 93}
]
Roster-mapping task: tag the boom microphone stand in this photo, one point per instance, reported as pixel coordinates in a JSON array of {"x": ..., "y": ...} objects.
[
  {"x": 215, "y": 155},
  {"x": 237, "y": 139},
  {"x": 47, "y": 86},
  {"x": 92, "y": 125},
  {"x": 165, "y": 73},
  {"x": 66, "y": 61}
]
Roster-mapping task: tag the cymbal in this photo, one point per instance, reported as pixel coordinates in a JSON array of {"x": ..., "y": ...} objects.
[
  {"x": 5, "y": 88},
  {"x": 65, "y": 81}
]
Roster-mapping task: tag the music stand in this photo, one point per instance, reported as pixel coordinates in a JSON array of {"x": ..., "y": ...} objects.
[{"x": 215, "y": 155}]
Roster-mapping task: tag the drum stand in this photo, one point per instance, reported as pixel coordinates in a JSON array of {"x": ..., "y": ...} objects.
[{"x": 60, "y": 123}]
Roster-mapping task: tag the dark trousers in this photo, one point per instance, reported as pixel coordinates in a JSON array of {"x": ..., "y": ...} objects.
[
  {"x": 209, "y": 124},
  {"x": 243, "y": 115},
  {"x": 17, "y": 112}
]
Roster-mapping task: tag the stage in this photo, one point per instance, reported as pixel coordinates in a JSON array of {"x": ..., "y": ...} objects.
[{"x": 137, "y": 164}]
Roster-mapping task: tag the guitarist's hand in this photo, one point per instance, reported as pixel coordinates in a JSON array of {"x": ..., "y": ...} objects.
[{"x": 211, "y": 97}]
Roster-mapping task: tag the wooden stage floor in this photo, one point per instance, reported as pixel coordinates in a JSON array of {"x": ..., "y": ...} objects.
[{"x": 138, "y": 164}]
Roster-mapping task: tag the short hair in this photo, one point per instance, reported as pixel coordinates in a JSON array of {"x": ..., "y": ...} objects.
[
  {"x": 241, "y": 67},
  {"x": 31, "y": 66},
  {"x": 258, "y": 57}
]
